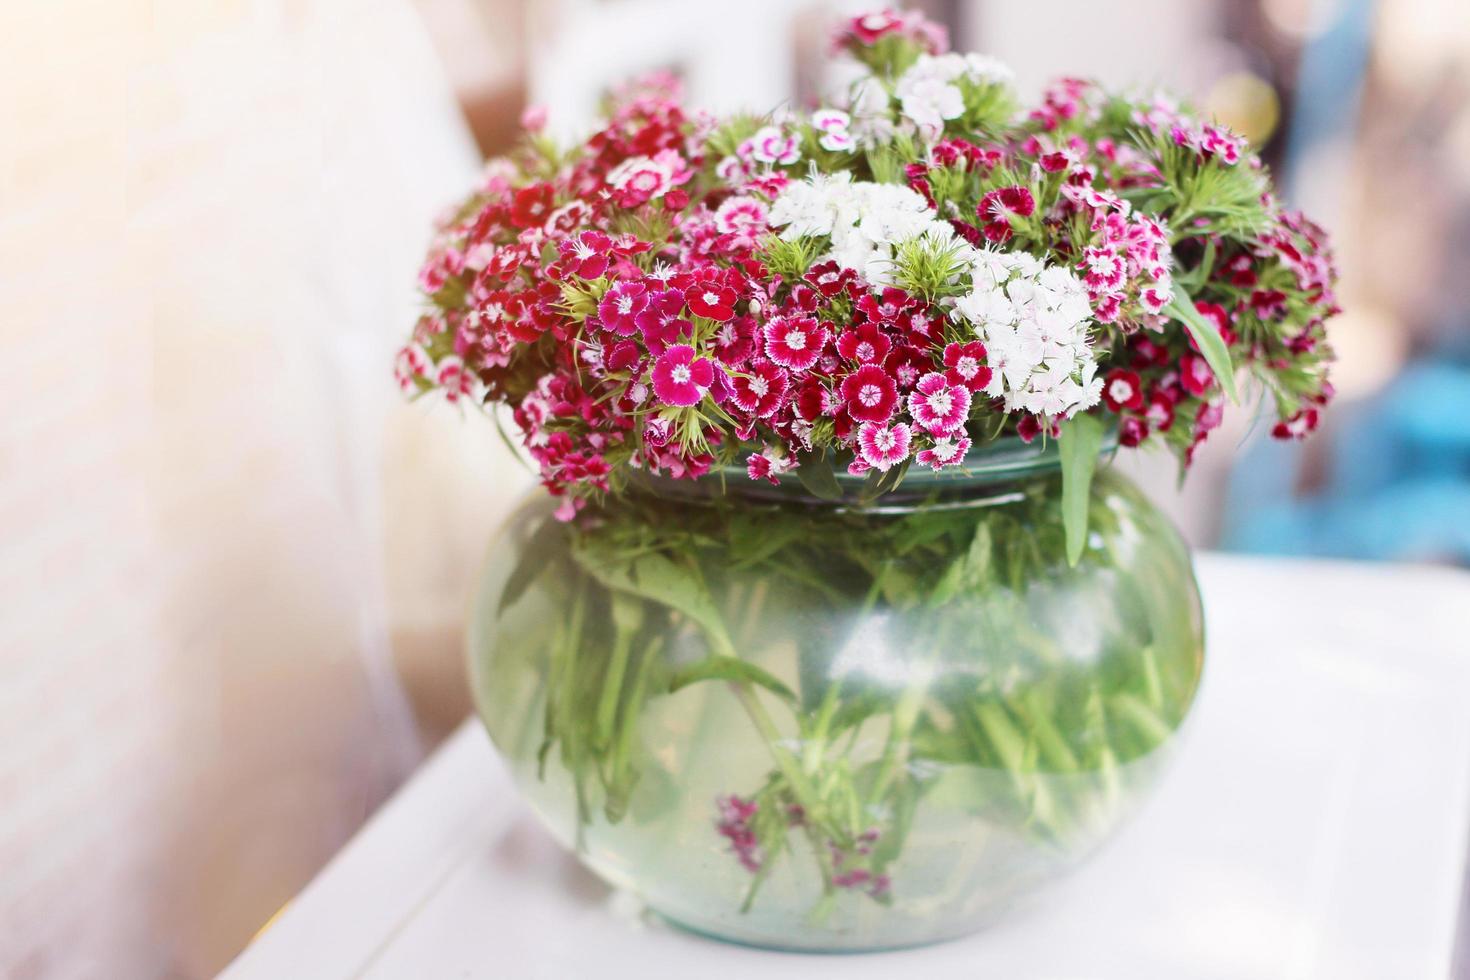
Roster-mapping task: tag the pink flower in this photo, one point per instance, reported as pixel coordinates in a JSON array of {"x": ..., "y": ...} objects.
[
  {"x": 771, "y": 145},
  {"x": 882, "y": 446},
  {"x": 735, "y": 340},
  {"x": 712, "y": 300},
  {"x": 866, "y": 345},
  {"x": 768, "y": 465},
  {"x": 1195, "y": 374},
  {"x": 679, "y": 378},
  {"x": 451, "y": 376},
  {"x": 743, "y": 217},
  {"x": 870, "y": 394},
  {"x": 533, "y": 118},
  {"x": 621, "y": 305},
  {"x": 829, "y": 278},
  {"x": 946, "y": 451},
  {"x": 760, "y": 388},
  {"x": 409, "y": 366},
  {"x": 998, "y": 207},
  {"x": 939, "y": 406},
  {"x": 796, "y": 342},
  {"x": 1123, "y": 390},
  {"x": 966, "y": 364},
  {"x": 659, "y": 319},
  {"x": 734, "y": 825},
  {"x": 833, "y": 125}
]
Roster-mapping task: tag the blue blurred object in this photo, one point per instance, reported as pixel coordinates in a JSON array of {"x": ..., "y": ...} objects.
[{"x": 1397, "y": 485}]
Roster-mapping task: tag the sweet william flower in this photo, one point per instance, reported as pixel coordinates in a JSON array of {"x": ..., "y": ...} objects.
[
  {"x": 680, "y": 378},
  {"x": 771, "y": 145},
  {"x": 866, "y": 344},
  {"x": 939, "y": 406},
  {"x": 869, "y": 394},
  {"x": 1123, "y": 390},
  {"x": 760, "y": 388},
  {"x": 997, "y": 208},
  {"x": 795, "y": 342},
  {"x": 621, "y": 306},
  {"x": 882, "y": 446},
  {"x": 947, "y": 451},
  {"x": 1195, "y": 374},
  {"x": 1132, "y": 431},
  {"x": 712, "y": 300},
  {"x": 410, "y": 365},
  {"x": 532, "y": 205},
  {"x": 965, "y": 365}
]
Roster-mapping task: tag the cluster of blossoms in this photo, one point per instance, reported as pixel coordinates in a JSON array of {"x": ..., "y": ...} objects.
[{"x": 916, "y": 267}]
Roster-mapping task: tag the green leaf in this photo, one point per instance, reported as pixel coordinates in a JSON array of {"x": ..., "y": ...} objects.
[
  {"x": 723, "y": 668},
  {"x": 815, "y": 473},
  {"x": 1080, "y": 440},
  {"x": 1207, "y": 338},
  {"x": 536, "y": 554}
]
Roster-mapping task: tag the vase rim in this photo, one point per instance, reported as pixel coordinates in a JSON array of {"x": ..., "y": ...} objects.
[{"x": 993, "y": 464}]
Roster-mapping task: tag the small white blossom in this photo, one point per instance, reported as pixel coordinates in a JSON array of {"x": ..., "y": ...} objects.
[{"x": 1033, "y": 319}]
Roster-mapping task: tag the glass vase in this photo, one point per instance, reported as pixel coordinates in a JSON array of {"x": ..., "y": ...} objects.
[{"x": 837, "y": 724}]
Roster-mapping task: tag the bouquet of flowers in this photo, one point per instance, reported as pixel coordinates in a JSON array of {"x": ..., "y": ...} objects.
[{"x": 828, "y": 299}]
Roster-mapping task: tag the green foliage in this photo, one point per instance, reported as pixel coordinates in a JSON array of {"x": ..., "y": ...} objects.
[{"x": 1080, "y": 440}]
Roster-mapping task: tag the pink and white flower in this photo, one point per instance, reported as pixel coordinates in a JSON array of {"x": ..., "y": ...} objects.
[
  {"x": 456, "y": 381},
  {"x": 771, "y": 144},
  {"x": 680, "y": 378},
  {"x": 410, "y": 366},
  {"x": 882, "y": 447},
  {"x": 947, "y": 450},
  {"x": 833, "y": 125},
  {"x": 938, "y": 406}
]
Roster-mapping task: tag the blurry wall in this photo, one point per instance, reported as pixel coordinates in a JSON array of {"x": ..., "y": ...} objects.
[{"x": 226, "y": 543}]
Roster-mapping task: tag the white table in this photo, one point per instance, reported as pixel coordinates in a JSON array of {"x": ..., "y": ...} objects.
[{"x": 1314, "y": 824}]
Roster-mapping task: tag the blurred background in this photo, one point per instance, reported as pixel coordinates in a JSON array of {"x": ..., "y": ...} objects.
[{"x": 233, "y": 564}]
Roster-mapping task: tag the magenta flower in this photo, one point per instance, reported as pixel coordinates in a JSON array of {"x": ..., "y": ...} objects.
[
  {"x": 881, "y": 446},
  {"x": 796, "y": 342},
  {"x": 760, "y": 388},
  {"x": 946, "y": 451},
  {"x": 869, "y": 394},
  {"x": 1132, "y": 431},
  {"x": 680, "y": 378},
  {"x": 621, "y": 305},
  {"x": 939, "y": 406},
  {"x": 966, "y": 365}
]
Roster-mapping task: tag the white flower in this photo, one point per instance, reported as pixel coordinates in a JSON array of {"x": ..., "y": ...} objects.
[
  {"x": 1033, "y": 319},
  {"x": 930, "y": 93},
  {"x": 865, "y": 221}
]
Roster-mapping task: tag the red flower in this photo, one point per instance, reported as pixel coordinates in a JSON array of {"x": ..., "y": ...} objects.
[
  {"x": 829, "y": 278},
  {"x": 998, "y": 207},
  {"x": 1132, "y": 431},
  {"x": 1160, "y": 411},
  {"x": 866, "y": 345},
  {"x": 1216, "y": 314},
  {"x": 759, "y": 389},
  {"x": 1123, "y": 390},
  {"x": 966, "y": 365},
  {"x": 1195, "y": 374},
  {"x": 869, "y": 394},
  {"x": 795, "y": 342},
  {"x": 531, "y": 206},
  {"x": 1297, "y": 426},
  {"x": 712, "y": 300}
]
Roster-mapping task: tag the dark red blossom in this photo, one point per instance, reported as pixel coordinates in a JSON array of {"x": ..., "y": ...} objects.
[
  {"x": 532, "y": 205},
  {"x": 869, "y": 394},
  {"x": 998, "y": 207}
]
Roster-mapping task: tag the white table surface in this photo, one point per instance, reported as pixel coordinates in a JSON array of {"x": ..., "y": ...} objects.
[{"x": 1314, "y": 824}]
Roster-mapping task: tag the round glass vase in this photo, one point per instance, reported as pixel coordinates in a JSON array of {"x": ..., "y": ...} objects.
[{"x": 831, "y": 725}]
